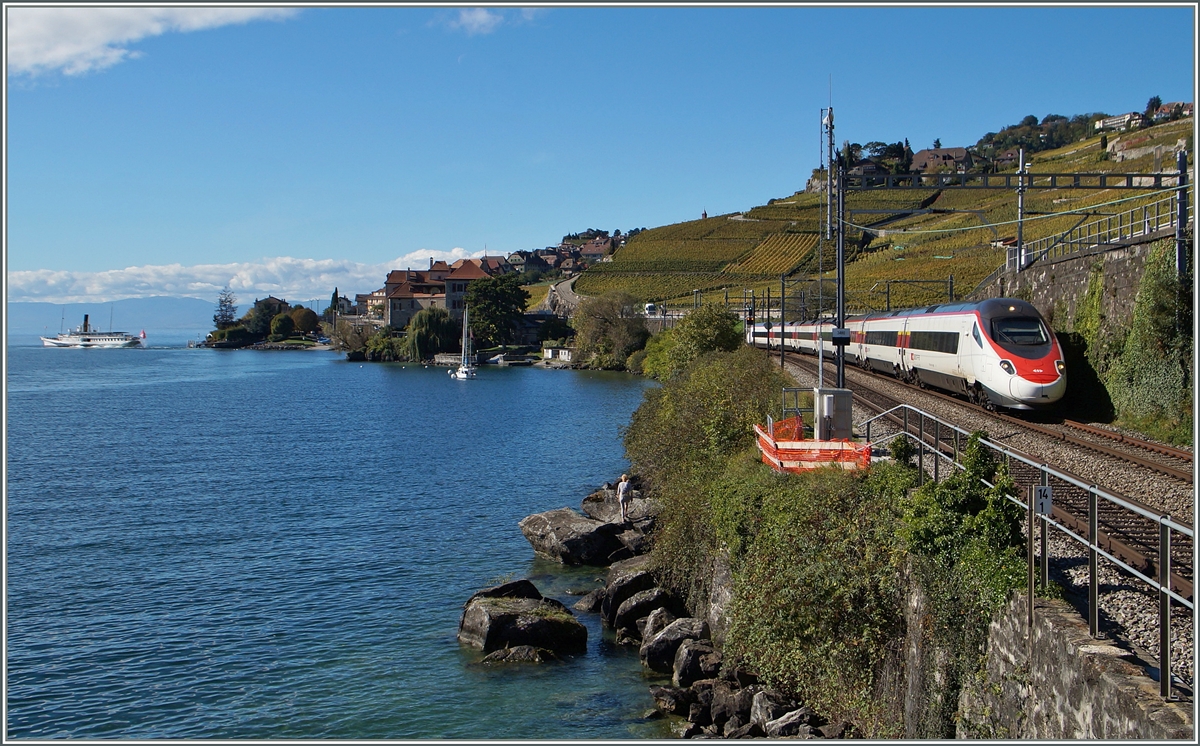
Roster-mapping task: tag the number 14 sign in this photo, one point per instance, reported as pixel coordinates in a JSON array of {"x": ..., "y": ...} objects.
[{"x": 1043, "y": 499}]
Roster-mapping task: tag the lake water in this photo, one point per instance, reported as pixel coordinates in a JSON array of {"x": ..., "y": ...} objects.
[{"x": 238, "y": 544}]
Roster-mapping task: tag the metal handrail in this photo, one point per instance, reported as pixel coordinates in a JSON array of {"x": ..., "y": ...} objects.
[
  {"x": 1136, "y": 221},
  {"x": 1162, "y": 520},
  {"x": 1182, "y": 528}
]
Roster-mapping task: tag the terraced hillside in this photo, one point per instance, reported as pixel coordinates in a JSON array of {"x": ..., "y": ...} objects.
[{"x": 736, "y": 252}]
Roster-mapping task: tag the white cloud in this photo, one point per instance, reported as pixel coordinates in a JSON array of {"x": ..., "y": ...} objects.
[
  {"x": 80, "y": 39},
  {"x": 283, "y": 276},
  {"x": 476, "y": 21}
]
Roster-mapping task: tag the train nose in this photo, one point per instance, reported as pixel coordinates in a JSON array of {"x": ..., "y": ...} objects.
[{"x": 1037, "y": 393}]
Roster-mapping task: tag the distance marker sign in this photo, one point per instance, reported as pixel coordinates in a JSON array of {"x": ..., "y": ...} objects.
[{"x": 1043, "y": 499}]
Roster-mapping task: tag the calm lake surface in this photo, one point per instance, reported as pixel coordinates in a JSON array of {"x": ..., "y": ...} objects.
[{"x": 238, "y": 544}]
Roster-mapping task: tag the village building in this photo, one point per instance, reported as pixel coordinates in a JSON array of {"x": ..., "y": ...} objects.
[
  {"x": 274, "y": 306},
  {"x": 1164, "y": 112},
  {"x": 942, "y": 160},
  {"x": 1119, "y": 122},
  {"x": 408, "y": 291}
]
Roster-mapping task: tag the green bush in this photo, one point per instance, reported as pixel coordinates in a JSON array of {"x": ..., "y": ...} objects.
[
  {"x": 656, "y": 363},
  {"x": 707, "y": 412},
  {"x": 282, "y": 326},
  {"x": 635, "y": 361},
  {"x": 1150, "y": 381},
  {"x": 966, "y": 540},
  {"x": 710, "y": 327},
  {"x": 817, "y": 607}
]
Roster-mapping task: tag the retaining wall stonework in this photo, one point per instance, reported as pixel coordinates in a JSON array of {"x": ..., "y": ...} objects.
[
  {"x": 1072, "y": 686},
  {"x": 1055, "y": 288}
]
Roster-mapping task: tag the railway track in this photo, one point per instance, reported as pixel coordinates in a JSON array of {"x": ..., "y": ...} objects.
[{"x": 1124, "y": 533}]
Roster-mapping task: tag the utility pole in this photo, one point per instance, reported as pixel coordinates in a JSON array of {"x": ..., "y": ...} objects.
[
  {"x": 1181, "y": 258},
  {"x": 828, "y": 122},
  {"x": 838, "y": 341},
  {"x": 1021, "y": 211},
  {"x": 782, "y": 295}
]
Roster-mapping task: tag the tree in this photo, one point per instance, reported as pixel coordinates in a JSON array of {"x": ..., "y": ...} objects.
[
  {"x": 555, "y": 327},
  {"x": 305, "y": 319},
  {"x": 705, "y": 329},
  {"x": 937, "y": 143},
  {"x": 430, "y": 331},
  {"x": 496, "y": 304},
  {"x": 350, "y": 337},
  {"x": 282, "y": 325},
  {"x": 258, "y": 321},
  {"x": 226, "y": 315},
  {"x": 1152, "y": 106},
  {"x": 330, "y": 313},
  {"x": 609, "y": 328}
]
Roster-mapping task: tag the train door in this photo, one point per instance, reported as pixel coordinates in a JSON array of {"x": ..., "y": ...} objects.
[{"x": 973, "y": 360}]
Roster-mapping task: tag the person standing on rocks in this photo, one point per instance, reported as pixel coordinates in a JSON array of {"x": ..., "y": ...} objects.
[{"x": 623, "y": 497}]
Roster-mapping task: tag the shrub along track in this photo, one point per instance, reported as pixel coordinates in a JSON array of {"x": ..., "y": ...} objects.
[{"x": 1151, "y": 480}]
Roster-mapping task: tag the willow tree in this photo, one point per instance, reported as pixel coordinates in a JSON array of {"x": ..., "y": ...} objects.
[{"x": 430, "y": 331}]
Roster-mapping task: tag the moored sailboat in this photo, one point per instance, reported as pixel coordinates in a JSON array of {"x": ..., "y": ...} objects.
[{"x": 466, "y": 367}]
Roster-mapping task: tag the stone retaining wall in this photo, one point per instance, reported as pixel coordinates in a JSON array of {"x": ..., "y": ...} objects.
[
  {"x": 1065, "y": 685},
  {"x": 1055, "y": 288}
]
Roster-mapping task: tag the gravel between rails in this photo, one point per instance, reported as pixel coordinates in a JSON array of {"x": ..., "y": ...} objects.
[{"x": 1128, "y": 608}]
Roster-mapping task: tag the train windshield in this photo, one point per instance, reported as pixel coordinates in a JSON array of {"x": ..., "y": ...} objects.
[{"x": 1019, "y": 331}]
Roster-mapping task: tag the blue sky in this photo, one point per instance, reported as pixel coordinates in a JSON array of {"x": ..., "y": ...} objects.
[{"x": 169, "y": 152}]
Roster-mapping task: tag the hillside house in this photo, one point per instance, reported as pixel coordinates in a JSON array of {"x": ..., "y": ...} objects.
[
  {"x": 1010, "y": 158},
  {"x": 1119, "y": 122},
  {"x": 867, "y": 167},
  {"x": 273, "y": 305},
  {"x": 370, "y": 304},
  {"x": 1163, "y": 113},
  {"x": 942, "y": 160},
  {"x": 595, "y": 250}
]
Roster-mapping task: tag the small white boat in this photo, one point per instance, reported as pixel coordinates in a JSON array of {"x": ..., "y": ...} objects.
[
  {"x": 466, "y": 368},
  {"x": 84, "y": 336}
]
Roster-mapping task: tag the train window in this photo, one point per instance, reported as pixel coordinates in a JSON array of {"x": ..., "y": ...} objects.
[
  {"x": 975, "y": 335},
  {"x": 887, "y": 339},
  {"x": 1019, "y": 330},
  {"x": 934, "y": 341}
]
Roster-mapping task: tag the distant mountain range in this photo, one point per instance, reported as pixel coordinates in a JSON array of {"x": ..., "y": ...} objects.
[{"x": 131, "y": 315}]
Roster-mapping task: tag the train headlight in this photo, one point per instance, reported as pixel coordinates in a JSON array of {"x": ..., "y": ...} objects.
[
  {"x": 1062, "y": 367},
  {"x": 1008, "y": 367}
]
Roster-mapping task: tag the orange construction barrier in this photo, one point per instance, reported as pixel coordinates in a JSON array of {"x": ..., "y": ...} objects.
[{"x": 784, "y": 448}]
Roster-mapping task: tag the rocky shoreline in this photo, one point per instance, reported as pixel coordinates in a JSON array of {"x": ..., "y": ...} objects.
[{"x": 710, "y": 697}]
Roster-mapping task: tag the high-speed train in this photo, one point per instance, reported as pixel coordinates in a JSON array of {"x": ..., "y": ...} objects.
[{"x": 997, "y": 352}]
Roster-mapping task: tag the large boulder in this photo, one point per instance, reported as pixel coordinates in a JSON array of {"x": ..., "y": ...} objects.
[
  {"x": 520, "y": 654},
  {"x": 639, "y": 606},
  {"x": 570, "y": 538},
  {"x": 658, "y": 652},
  {"x": 731, "y": 703},
  {"x": 769, "y": 705},
  {"x": 635, "y": 541},
  {"x": 672, "y": 699},
  {"x": 656, "y": 622},
  {"x": 494, "y": 622},
  {"x": 603, "y": 506},
  {"x": 793, "y": 724},
  {"x": 523, "y": 588},
  {"x": 591, "y": 602},
  {"x": 695, "y": 660},
  {"x": 624, "y": 580}
]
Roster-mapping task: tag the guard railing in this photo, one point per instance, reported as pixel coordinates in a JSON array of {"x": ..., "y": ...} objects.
[{"x": 928, "y": 425}]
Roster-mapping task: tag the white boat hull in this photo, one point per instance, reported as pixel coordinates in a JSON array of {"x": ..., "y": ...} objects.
[{"x": 103, "y": 341}]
